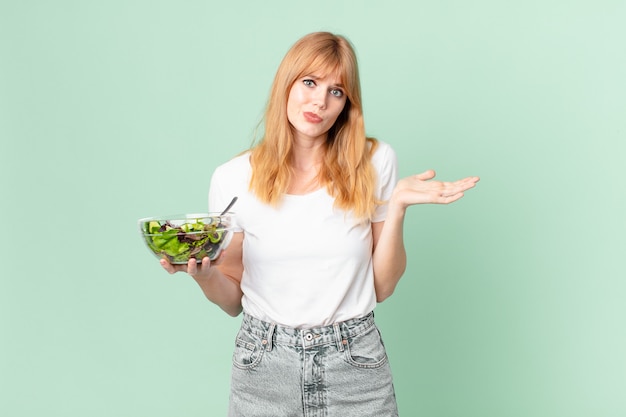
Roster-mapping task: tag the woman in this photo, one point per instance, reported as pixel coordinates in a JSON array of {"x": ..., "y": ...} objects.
[{"x": 318, "y": 243}]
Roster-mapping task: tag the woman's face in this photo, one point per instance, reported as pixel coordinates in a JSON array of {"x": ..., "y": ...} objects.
[{"x": 313, "y": 106}]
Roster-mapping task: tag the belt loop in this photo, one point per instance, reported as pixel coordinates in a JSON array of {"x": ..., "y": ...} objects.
[
  {"x": 270, "y": 336},
  {"x": 338, "y": 337}
]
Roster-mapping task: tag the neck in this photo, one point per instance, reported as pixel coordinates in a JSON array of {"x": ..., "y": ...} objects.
[
  {"x": 306, "y": 162},
  {"x": 308, "y": 155}
]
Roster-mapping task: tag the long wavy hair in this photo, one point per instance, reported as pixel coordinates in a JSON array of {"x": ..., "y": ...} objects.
[{"x": 347, "y": 171}]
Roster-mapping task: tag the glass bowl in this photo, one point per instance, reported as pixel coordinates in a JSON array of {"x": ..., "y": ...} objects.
[{"x": 181, "y": 237}]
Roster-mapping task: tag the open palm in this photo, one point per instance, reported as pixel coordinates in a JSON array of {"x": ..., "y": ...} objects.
[{"x": 422, "y": 189}]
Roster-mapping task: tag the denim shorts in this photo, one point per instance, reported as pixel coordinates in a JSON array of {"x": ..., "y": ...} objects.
[{"x": 340, "y": 370}]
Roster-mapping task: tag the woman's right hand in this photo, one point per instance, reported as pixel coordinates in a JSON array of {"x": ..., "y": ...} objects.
[
  {"x": 193, "y": 268},
  {"x": 219, "y": 280}
]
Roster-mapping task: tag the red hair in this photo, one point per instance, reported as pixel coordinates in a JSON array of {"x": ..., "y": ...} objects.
[{"x": 347, "y": 171}]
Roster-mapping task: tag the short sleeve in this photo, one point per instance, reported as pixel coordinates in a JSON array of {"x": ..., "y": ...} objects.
[
  {"x": 386, "y": 164},
  {"x": 222, "y": 191}
]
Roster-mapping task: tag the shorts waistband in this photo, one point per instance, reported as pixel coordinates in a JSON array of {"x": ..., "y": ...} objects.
[{"x": 334, "y": 333}]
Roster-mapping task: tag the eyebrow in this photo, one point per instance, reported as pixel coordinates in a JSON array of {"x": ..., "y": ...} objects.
[{"x": 317, "y": 77}]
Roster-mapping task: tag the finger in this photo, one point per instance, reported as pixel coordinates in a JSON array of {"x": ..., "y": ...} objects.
[
  {"x": 172, "y": 268},
  {"x": 167, "y": 266},
  {"x": 459, "y": 186},
  {"x": 206, "y": 263},
  {"x": 192, "y": 267},
  {"x": 469, "y": 181},
  {"x": 426, "y": 175}
]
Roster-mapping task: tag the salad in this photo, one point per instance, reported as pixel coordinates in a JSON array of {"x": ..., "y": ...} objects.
[{"x": 194, "y": 238}]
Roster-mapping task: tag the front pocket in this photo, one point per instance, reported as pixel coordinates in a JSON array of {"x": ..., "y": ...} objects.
[
  {"x": 366, "y": 350},
  {"x": 248, "y": 351}
]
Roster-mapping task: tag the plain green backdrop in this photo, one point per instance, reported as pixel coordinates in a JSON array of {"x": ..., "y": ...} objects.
[{"x": 514, "y": 302}]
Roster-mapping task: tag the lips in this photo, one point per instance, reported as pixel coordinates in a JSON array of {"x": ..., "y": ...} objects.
[{"x": 312, "y": 117}]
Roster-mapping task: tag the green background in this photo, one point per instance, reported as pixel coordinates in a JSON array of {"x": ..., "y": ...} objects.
[{"x": 514, "y": 302}]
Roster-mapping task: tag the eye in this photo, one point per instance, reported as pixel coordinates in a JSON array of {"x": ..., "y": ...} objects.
[
  {"x": 308, "y": 83},
  {"x": 336, "y": 92}
]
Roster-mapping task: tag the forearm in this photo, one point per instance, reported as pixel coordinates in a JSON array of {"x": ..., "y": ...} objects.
[
  {"x": 389, "y": 255},
  {"x": 222, "y": 290}
]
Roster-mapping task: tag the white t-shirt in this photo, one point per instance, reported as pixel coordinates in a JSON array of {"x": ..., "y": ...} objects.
[{"x": 306, "y": 263}]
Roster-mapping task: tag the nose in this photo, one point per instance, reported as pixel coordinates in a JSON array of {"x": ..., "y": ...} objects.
[{"x": 319, "y": 97}]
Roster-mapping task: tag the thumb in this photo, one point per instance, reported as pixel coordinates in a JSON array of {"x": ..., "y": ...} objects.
[{"x": 426, "y": 175}]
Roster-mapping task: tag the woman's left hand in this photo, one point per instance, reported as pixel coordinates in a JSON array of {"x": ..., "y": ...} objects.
[{"x": 421, "y": 189}]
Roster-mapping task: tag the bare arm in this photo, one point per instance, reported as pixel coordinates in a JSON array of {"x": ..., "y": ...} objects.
[
  {"x": 389, "y": 254},
  {"x": 219, "y": 280}
]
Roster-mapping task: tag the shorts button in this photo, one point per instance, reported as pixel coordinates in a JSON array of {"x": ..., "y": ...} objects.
[{"x": 308, "y": 337}]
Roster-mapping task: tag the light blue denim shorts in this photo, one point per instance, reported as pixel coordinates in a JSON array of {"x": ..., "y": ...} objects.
[{"x": 340, "y": 370}]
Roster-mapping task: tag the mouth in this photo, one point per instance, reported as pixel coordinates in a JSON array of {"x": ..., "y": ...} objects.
[{"x": 312, "y": 117}]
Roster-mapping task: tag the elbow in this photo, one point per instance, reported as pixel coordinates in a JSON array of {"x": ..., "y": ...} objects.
[
  {"x": 233, "y": 311},
  {"x": 380, "y": 298},
  {"x": 384, "y": 289},
  {"x": 383, "y": 293}
]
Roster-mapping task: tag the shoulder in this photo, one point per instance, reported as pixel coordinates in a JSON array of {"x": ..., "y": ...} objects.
[
  {"x": 385, "y": 164},
  {"x": 384, "y": 157},
  {"x": 233, "y": 173},
  {"x": 237, "y": 166}
]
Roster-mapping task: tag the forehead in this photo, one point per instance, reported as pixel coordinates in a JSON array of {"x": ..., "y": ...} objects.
[{"x": 326, "y": 67}]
